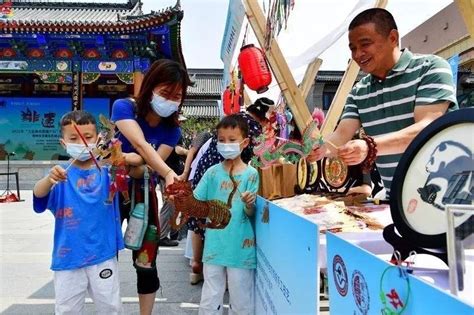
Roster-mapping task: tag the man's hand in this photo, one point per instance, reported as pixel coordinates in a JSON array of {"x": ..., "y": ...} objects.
[
  {"x": 353, "y": 152},
  {"x": 318, "y": 153},
  {"x": 57, "y": 174},
  {"x": 363, "y": 189}
]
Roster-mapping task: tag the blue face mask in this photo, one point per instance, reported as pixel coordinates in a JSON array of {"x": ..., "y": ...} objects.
[
  {"x": 78, "y": 151},
  {"x": 229, "y": 151},
  {"x": 163, "y": 107}
]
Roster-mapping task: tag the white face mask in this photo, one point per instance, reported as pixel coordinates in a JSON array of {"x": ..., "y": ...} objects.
[
  {"x": 229, "y": 151},
  {"x": 162, "y": 106},
  {"x": 79, "y": 151}
]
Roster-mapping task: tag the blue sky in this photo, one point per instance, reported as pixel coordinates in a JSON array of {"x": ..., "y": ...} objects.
[{"x": 204, "y": 21}]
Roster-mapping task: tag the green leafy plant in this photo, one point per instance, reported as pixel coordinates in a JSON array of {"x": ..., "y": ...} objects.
[{"x": 192, "y": 126}]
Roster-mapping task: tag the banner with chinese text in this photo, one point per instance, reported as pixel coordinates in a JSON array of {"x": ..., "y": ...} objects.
[{"x": 30, "y": 127}]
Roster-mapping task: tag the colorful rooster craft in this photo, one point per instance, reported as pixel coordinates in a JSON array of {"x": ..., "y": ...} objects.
[
  {"x": 109, "y": 150},
  {"x": 118, "y": 172},
  {"x": 217, "y": 212}
]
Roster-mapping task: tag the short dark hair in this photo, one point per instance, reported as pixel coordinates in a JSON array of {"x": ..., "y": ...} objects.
[
  {"x": 383, "y": 20},
  {"x": 260, "y": 107},
  {"x": 80, "y": 117},
  {"x": 234, "y": 121},
  {"x": 166, "y": 72}
]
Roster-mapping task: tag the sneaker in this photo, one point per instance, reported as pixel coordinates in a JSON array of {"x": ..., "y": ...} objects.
[
  {"x": 195, "y": 278},
  {"x": 168, "y": 243}
]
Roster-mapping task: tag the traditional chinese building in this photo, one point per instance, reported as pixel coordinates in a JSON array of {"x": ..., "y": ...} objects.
[
  {"x": 448, "y": 35},
  {"x": 58, "y": 56}
]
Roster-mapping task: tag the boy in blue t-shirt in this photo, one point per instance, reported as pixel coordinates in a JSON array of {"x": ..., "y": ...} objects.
[
  {"x": 230, "y": 252},
  {"x": 87, "y": 234}
]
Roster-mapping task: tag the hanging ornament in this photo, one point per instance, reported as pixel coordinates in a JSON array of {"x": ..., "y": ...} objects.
[
  {"x": 277, "y": 18},
  {"x": 255, "y": 71},
  {"x": 231, "y": 96}
]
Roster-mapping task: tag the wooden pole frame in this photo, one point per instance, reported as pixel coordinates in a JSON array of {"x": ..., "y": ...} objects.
[
  {"x": 281, "y": 71},
  {"x": 309, "y": 76}
]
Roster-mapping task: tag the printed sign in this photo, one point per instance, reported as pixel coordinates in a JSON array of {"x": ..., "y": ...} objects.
[
  {"x": 287, "y": 276},
  {"x": 30, "y": 127},
  {"x": 378, "y": 287}
]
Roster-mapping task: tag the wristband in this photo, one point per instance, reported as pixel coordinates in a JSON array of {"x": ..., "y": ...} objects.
[{"x": 369, "y": 161}]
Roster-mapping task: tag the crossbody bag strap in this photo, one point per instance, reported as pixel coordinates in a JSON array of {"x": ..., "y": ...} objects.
[
  {"x": 146, "y": 178},
  {"x": 132, "y": 206}
]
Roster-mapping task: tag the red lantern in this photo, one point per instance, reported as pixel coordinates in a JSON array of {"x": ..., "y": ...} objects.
[
  {"x": 231, "y": 101},
  {"x": 254, "y": 68}
]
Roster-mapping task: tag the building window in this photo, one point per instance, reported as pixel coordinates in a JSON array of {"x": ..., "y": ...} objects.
[{"x": 327, "y": 99}]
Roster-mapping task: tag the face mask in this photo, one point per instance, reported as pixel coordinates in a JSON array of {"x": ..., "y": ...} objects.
[
  {"x": 229, "y": 151},
  {"x": 163, "y": 107},
  {"x": 79, "y": 151}
]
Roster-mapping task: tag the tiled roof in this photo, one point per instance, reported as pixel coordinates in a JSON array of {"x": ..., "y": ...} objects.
[
  {"x": 207, "y": 82},
  {"x": 201, "y": 108},
  {"x": 333, "y": 76},
  {"x": 85, "y": 16}
]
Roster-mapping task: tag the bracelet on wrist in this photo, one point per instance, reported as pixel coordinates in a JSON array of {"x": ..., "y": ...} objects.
[
  {"x": 167, "y": 173},
  {"x": 369, "y": 160}
]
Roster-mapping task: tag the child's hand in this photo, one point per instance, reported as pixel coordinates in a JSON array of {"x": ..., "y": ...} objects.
[
  {"x": 249, "y": 198},
  {"x": 57, "y": 174}
]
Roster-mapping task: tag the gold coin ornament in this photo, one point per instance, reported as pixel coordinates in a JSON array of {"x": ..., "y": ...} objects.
[
  {"x": 335, "y": 172},
  {"x": 302, "y": 173}
]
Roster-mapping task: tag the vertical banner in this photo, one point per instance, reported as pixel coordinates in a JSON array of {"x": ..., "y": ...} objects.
[
  {"x": 232, "y": 30},
  {"x": 454, "y": 63},
  {"x": 76, "y": 90},
  {"x": 361, "y": 283},
  {"x": 287, "y": 276},
  {"x": 30, "y": 127}
]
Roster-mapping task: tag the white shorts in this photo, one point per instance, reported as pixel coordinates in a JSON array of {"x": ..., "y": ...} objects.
[
  {"x": 101, "y": 281},
  {"x": 241, "y": 290}
]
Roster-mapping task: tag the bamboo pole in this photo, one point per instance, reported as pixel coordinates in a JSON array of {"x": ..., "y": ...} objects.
[{"x": 309, "y": 76}]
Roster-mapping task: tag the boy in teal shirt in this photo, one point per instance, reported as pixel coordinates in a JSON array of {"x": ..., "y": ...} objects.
[{"x": 230, "y": 252}]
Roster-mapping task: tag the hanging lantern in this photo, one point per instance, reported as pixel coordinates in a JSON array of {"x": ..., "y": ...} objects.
[
  {"x": 231, "y": 101},
  {"x": 254, "y": 68}
]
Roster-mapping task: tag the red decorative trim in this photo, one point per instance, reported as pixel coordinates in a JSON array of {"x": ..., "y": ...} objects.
[
  {"x": 35, "y": 53},
  {"x": 91, "y": 53},
  {"x": 63, "y": 53},
  {"x": 119, "y": 54},
  {"x": 7, "y": 52}
]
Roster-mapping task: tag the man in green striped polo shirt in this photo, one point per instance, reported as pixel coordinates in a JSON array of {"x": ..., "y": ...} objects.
[{"x": 400, "y": 96}]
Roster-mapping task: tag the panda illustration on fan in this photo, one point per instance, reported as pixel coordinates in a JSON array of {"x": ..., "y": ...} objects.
[{"x": 447, "y": 165}]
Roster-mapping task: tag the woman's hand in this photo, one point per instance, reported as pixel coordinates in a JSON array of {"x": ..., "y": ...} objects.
[
  {"x": 170, "y": 177},
  {"x": 183, "y": 177}
]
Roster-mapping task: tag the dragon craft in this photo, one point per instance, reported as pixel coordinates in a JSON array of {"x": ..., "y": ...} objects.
[{"x": 267, "y": 152}]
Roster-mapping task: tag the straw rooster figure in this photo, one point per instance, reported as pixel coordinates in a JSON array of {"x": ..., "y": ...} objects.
[{"x": 187, "y": 206}]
